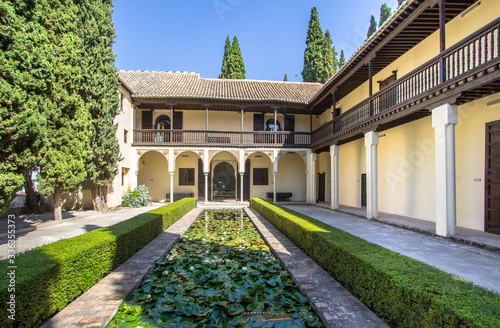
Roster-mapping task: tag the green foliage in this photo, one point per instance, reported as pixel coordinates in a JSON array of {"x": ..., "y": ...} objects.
[
  {"x": 219, "y": 269},
  {"x": 402, "y": 291},
  {"x": 25, "y": 81},
  {"x": 136, "y": 198},
  {"x": 400, "y": 2},
  {"x": 98, "y": 90},
  {"x": 313, "y": 54},
  {"x": 51, "y": 276},
  {"x": 236, "y": 67},
  {"x": 328, "y": 60},
  {"x": 224, "y": 73},
  {"x": 63, "y": 155},
  {"x": 385, "y": 13},
  {"x": 342, "y": 58},
  {"x": 372, "y": 28},
  {"x": 285, "y": 78}
]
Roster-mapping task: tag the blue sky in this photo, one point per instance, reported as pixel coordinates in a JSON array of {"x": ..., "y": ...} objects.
[{"x": 189, "y": 35}]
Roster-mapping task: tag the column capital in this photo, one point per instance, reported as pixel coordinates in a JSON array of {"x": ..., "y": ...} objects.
[
  {"x": 334, "y": 150},
  {"x": 444, "y": 115},
  {"x": 371, "y": 138}
]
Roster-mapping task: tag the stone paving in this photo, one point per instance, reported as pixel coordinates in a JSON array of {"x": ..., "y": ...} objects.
[
  {"x": 333, "y": 303},
  {"x": 100, "y": 303},
  {"x": 471, "y": 263}
]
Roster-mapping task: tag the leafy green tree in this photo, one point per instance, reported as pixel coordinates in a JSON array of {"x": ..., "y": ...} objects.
[
  {"x": 313, "y": 54},
  {"x": 236, "y": 66},
  {"x": 342, "y": 58},
  {"x": 385, "y": 13},
  {"x": 64, "y": 151},
  {"x": 372, "y": 28},
  {"x": 285, "y": 78},
  {"x": 227, "y": 50},
  {"x": 335, "y": 60},
  {"x": 328, "y": 62},
  {"x": 98, "y": 91},
  {"x": 25, "y": 81},
  {"x": 400, "y": 2}
]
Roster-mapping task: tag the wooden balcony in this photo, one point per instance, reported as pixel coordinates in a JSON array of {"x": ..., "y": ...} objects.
[
  {"x": 149, "y": 137},
  {"x": 467, "y": 71}
]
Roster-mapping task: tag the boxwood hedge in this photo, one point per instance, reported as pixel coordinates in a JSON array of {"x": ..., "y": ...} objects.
[
  {"x": 51, "y": 276},
  {"x": 402, "y": 291}
]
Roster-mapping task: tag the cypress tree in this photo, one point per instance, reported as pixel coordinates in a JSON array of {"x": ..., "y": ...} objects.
[
  {"x": 285, "y": 78},
  {"x": 236, "y": 66},
  {"x": 98, "y": 91},
  {"x": 63, "y": 155},
  {"x": 372, "y": 28},
  {"x": 227, "y": 50},
  {"x": 313, "y": 54},
  {"x": 25, "y": 80},
  {"x": 385, "y": 13},
  {"x": 342, "y": 58},
  {"x": 335, "y": 60},
  {"x": 328, "y": 66}
]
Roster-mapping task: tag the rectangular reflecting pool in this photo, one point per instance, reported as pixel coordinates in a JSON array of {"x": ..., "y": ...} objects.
[{"x": 220, "y": 273}]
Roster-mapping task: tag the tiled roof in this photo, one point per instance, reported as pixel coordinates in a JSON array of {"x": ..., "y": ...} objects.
[{"x": 190, "y": 85}]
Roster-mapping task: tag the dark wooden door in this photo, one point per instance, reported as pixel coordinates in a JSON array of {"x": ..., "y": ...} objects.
[
  {"x": 147, "y": 119},
  {"x": 321, "y": 186},
  {"x": 492, "y": 178},
  {"x": 246, "y": 181},
  {"x": 363, "y": 189},
  {"x": 201, "y": 181}
]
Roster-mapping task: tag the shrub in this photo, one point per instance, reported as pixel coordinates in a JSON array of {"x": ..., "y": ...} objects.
[
  {"x": 51, "y": 276},
  {"x": 402, "y": 291},
  {"x": 136, "y": 198}
]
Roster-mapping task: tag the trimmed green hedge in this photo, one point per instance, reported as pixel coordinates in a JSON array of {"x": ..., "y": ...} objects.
[
  {"x": 51, "y": 276},
  {"x": 402, "y": 291}
]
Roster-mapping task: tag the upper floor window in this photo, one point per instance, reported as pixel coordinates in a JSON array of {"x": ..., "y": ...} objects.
[
  {"x": 387, "y": 81},
  {"x": 186, "y": 177},
  {"x": 270, "y": 125},
  {"x": 162, "y": 122}
]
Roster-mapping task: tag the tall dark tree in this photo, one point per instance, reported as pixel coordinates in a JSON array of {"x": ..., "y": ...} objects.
[
  {"x": 335, "y": 60},
  {"x": 227, "y": 50},
  {"x": 328, "y": 62},
  {"x": 313, "y": 54},
  {"x": 98, "y": 91},
  {"x": 64, "y": 151},
  {"x": 25, "y": 81},
  {"x": 385, "y": 13},
  {"x": 285, "y": 78},
  {"x": 342, "y": 58},
  {"x": 236, "y": 66},
  {"x": 372, "y": 28}
]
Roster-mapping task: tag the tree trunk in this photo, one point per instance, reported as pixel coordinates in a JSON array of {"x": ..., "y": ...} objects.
[
  {"x": 31, "y": 199},
  {"x": 97, "y": 199},
  {"x": 56, "y": 204}
]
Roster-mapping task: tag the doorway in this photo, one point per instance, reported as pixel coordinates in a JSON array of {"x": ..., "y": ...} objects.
[
  {"x": 321, "y": 186},
  {"x": 224, "y": 181},
  {"x": 492, "y": 178},
  {"x": 363, "y": 189}
]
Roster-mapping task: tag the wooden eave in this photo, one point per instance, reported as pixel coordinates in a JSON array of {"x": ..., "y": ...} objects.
[{"x": 415, "y": 21}]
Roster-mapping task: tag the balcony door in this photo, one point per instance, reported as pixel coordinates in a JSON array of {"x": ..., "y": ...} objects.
[{"x": 492, "y": 179}]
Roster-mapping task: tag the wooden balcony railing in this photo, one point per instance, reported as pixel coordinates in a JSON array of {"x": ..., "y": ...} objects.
[
  {"x": 456, "y": 63},
  {"x": 221, "y": 138}
]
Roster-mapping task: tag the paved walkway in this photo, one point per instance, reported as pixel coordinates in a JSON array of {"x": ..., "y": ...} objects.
[
  {"x": 37, "y": 230},
  {"x": 474, "y": 264}
]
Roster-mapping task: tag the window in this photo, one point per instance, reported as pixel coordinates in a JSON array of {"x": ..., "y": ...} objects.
[
  {"x": 186, "y": 177},
  {"x": 125, "y": 135},
  {"x": 163, "y": 123},
  {"x": 387, "y": 81},
  {"x": 260, "y": 177},
  {"x": 270, "y": 125}
]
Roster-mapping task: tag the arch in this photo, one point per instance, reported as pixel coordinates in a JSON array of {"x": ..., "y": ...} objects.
[
  {"x": 260, "y": 160},
  {"x": 163, "y": 122},
  {"x": 269, "y": 126},
  {"x": 292, "y": 176},
  {"x": 189, "y": 163},
  {"x": 214, "y": 153},
  {"x": 153, "y": 173},
  {"x": 224, "y": 180},
  {"x": 302, "y": 154}
]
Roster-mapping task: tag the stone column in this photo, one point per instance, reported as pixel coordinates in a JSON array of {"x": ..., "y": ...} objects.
[
  {"x": 313, "y": 178},
  {"x": 371, "y": 142},
  {"x": 206, "y": 186},
  {"x": 275, "y": 174},
  {"x": 444, "y": 119},
  {"x": 171, "y": 186},
  {"x": 334, "y": 154},
  {"x": 241, "y": 185}
]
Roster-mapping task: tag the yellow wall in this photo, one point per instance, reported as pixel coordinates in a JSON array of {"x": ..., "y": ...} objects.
[
  {"x": 351, "y": 165},
  {"x": 154, "y": 175},
  {"x": 292, "y": 176},
  {"x": 261, "y": 162},
  {"x": 189, "y": 162}
]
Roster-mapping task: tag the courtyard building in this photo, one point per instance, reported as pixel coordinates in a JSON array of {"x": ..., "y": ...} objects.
[{"x": 410, "y": 125}]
